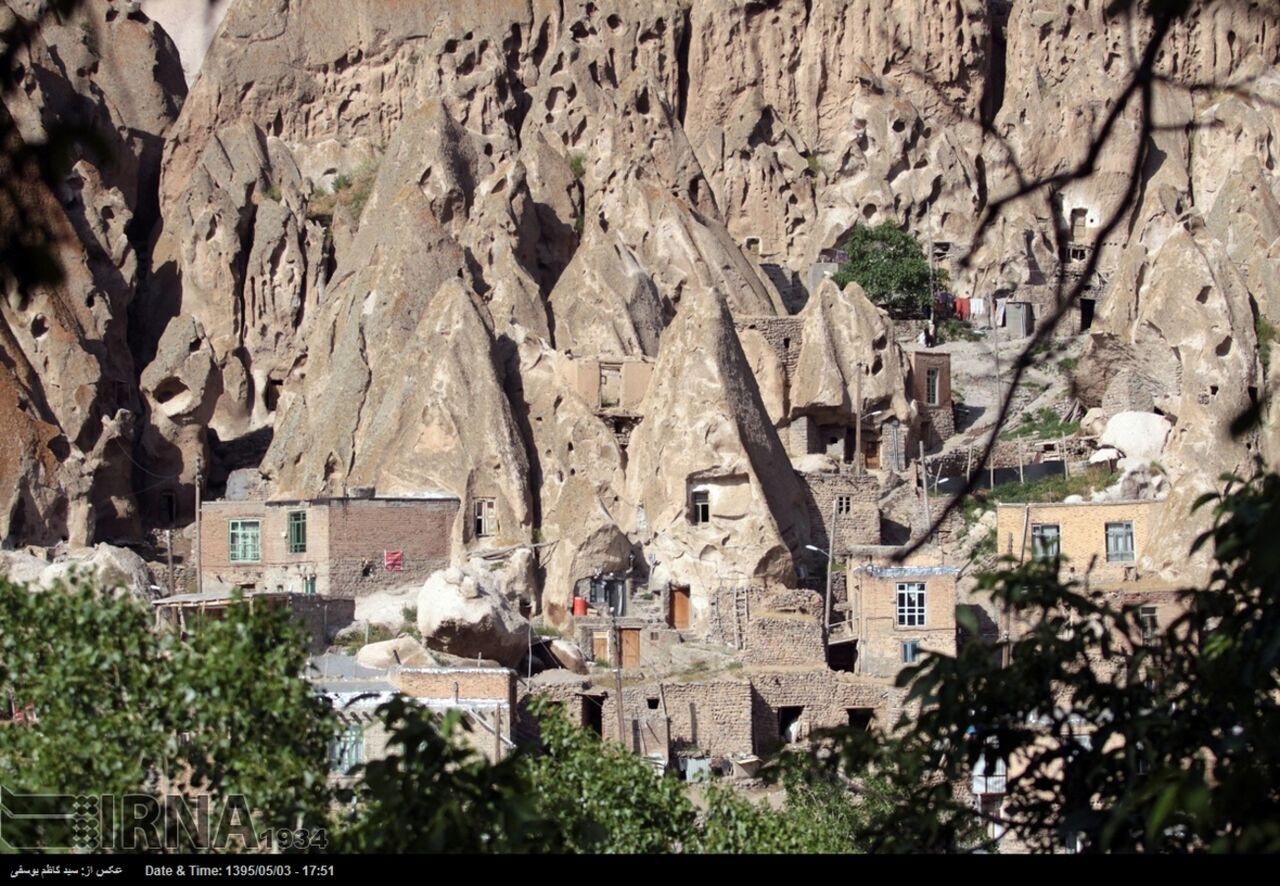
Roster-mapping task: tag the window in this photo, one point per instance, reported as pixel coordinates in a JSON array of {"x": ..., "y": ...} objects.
[
  {"x": 309, "y": 585},
  {"x": 931, "y": 387},
  {"x": 246, "y": 541},
  {"x": 486, "y": 520},
  {"x": 701, "y": 506},
  {"x": 297, "y": 532},
  {"x": 910, "y": 651},
  {"x": 844, "y": 504},
  {"x": 1046, "y": 542},
  {"x": 1120, "y": 542},
  {"x": 911, "y": 605},
  {"x": 1150, "y": 624},
  {"x": 610, "y": 385},
  {"x": 346, "y": 749},
  {"x": 988, "y": 783}
]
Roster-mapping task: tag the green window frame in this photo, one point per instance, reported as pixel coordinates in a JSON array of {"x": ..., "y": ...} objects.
[
  {"x": 1120, "y": 548},
  {"x": 346, "y": 748},
  {"x": 309, "y": 584},
  {"x": 245, "y": 541},
  {"x": 297, "y": 532}
]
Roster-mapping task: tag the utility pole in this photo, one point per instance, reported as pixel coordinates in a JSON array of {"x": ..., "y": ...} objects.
[
  {"x": 168, "y": 544},
  {"x": 857, "y": 432},
  {"x": 831, "y": 557},
  {"x": 199, "y": 564},
  {"x": 928, "y": 520},
  {"x": 995, "y": 430},
  {"x": 617, "y": 672}
]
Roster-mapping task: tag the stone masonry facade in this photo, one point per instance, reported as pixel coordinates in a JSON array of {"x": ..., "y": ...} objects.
[{"x": 859, "y": 525}]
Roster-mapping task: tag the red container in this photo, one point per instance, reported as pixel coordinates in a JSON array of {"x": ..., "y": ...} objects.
[{"x": 579, "y": 606}]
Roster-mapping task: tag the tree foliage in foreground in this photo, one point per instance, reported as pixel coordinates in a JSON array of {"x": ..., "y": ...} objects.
[
  {"x": 579, "y": 794},
  {"x": 1184, "y": 747},
  {"x": 891, "y": 268},
  {"x": 123, "y": 709}
]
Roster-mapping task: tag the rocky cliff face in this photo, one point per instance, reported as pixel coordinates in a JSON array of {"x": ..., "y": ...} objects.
[
  {"x": 379, "y": 239},
  {"x": 68, "y": 390}
]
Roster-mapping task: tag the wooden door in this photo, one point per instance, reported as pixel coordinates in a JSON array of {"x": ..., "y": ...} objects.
[
  {"x": 630, "y": 647},
  {"x": 871, "y": 450},
  {"x": 680, "y": 608},
  {"x": 600, "y": 647}
]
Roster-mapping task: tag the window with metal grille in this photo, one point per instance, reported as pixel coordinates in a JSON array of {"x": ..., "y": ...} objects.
[
  {"x": 346, "y": 749},
  {"x": 297, "y": 532},
  {"x": 844, "y": 504},
  {"x": 931, "y": 387},
  {"x": 702, "y": 506},
  {"x": 1046, "y": 541},
  {"x": 486, "y": 520},
  {"x": 911, "y": 604},
  {"x": 245, "y": 537},
  {"x": 1120, "y": 542},
  {"x": 910, "y": 651}
]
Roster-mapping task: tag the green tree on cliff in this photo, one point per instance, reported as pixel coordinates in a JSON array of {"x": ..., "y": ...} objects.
[{"x": 890, "y": 267}]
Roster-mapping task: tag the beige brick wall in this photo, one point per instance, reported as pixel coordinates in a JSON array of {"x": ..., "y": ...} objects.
[
  {"x": 881, "y": 649},
  {"x": 278, "y": 569},
  {"x": 497, "y": 684},
  {"x": 1082, "y": 532}
]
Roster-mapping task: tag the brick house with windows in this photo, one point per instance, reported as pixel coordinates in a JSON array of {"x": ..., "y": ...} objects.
[
  {"x": 1104, "y": 540},
  {"x": 1100, "y": 543},
  {"x": 339, "y": 547},
  {"x": 893, "y": 612}
]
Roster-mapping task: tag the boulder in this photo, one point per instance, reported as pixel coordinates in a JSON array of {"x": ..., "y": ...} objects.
[
  {"x": 465, "y": 613},
  {"x": 1139, "y": 435},
  {"x": 106, "y": 566},
  {"x": 402, "y": 651},
  {"x": 569, "y": 656}
]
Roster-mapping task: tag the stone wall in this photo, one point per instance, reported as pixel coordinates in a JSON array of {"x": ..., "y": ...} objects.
[
  {"x": 322, "y": 617},
  {"x": 826, "y": 698},
  {"x": 784, "y": 334},
  {"x": 713, "y": 716},
  {"x": 861, "y": 526},
  {"x": 937, "y": 426}
]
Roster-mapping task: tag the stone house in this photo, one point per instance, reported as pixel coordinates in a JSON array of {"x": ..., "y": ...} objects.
[
  {"x": 337, "y": 547},
  {"x": 1103, "y": 541},
  {"x": 931, "y": 388}
]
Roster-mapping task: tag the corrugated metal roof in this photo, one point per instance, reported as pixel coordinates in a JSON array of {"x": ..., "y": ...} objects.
[{"x": 907, "y": 571}]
